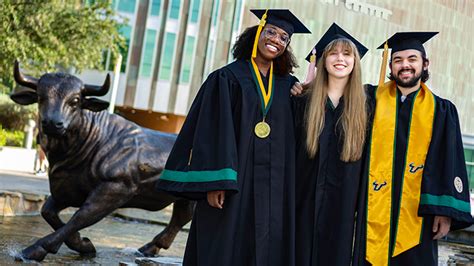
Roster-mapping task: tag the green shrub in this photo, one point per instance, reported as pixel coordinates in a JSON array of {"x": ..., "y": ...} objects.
[
  {"x": 14, "y": 138},
  {"x": 14, "y": 116},
  {"x": 3, "y": 137}
]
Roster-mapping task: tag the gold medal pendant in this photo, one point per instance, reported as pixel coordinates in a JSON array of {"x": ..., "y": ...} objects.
[{"x": 262, "y": 129}]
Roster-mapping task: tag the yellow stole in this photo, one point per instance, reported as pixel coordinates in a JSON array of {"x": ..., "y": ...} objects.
[{"x": 381, "y": 170}]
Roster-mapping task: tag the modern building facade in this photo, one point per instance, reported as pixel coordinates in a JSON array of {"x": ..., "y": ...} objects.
[{"x": 172, "y": 45}]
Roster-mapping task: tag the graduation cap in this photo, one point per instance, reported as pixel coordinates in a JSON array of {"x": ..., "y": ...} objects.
[
  {"x": 333, "y": 33},
  {"x": 401, "y": 41},
  {"x": 408, "y": 40},
  {"x": 282, "y": 18}
]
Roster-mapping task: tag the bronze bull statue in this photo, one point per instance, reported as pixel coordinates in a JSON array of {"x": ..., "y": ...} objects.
[{"x": 99, "y": 162}]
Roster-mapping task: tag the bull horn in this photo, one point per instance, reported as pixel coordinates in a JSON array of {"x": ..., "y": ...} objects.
[
  {"x": 93, "y": 90},
  {"x": 24, "y": 80}
]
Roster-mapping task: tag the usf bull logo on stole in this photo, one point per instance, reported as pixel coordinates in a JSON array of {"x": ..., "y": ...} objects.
[
  {"x": 414, "y": 169},
  {"x": 378, "y": 186}
]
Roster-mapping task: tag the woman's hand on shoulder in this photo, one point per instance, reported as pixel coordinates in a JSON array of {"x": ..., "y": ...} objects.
[
  {"x": 300, "y": 88},
  {"x": 297, "y": 89}
]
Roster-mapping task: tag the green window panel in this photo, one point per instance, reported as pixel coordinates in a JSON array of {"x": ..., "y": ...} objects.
[
  {"x": 147, "y": 57},
  {"x": 167, "y": 56},
  {"x": 174, "y": 12},
  {"x": 215, "y": 11},
  {"x": 469, "y": 156},
  {"x": 237, "y": 17},
  {"x": 126, "y": 32},
  {"x": 127, "y": 6},
  {"x": 470, "y": 175},
  {"x": 195, "y": 11},
  {"x": 155, "y": 8},
  {"x": 187, "y": 59}
]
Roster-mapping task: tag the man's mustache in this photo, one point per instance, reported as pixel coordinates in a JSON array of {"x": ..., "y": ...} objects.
[{"x": 406, "y": 69}]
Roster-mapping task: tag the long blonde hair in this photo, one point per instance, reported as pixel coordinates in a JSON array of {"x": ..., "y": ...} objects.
[{"x": 354, "y": 116}]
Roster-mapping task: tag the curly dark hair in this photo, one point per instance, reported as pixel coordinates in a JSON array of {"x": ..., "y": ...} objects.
[
  {"x": 242, "y": 49},
  {"x": 425, "y": 75}
]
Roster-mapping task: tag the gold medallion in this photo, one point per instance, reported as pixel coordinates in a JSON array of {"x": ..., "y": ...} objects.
[{"x": 262, "y": 129}]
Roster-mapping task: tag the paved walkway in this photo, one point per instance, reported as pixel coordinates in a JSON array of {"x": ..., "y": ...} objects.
[{"x": 23, "y": 182}]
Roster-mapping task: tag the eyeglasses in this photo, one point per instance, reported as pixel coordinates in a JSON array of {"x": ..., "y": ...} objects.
[{"x": 271, "y": 34}]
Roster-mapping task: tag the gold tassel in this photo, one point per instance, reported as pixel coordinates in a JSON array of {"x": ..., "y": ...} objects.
[
  {"x": 312, "y": 58},
  {"x": 257, "y": 36},
  {"x": 383, "y": 68},
  {"x": 311, "y": 73}
]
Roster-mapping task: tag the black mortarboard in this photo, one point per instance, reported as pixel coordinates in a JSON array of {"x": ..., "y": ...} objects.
[
  {"x": 333, "y": 33},
  {"x": 282, "y": 18},
  {"x": 408, "y": 40}
]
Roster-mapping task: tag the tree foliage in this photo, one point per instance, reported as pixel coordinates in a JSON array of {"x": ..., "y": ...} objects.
[
  {"x": 14, "y": 116},
  {"x": 45, "y": 35}
]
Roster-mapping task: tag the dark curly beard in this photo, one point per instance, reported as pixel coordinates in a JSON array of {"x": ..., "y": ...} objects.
[{"x": 409, "y": 83}]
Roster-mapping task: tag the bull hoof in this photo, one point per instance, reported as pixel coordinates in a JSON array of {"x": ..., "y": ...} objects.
[
  {"x": 81, "y": 245},
  {"x": 149, "y": 250},
  {"x": 34, "y": 252}
]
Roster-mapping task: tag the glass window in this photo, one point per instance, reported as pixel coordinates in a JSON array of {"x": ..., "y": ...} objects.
[
  {"x": 155, "y": 8},
  {"x": 167, "y": 56},
  {"x": 237, "y": 15},
  {"x": 187, "y": 59},
  {"x": 215, "y": 11},
  {"x": 147, "y": 57},
  {"x": 235, "y": 27},
  {"x": 195, "y": 11},
  {"x": 174, "y": 12},
  {"x": 126, "y": 32},
  {"x": 127, "y": 6},
  {"x": 469, "y": 156},
  {"x": 470, "y": 175},
  {"x": 209, "y": 58}
]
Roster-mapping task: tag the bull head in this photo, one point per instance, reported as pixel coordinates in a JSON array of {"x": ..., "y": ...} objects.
[
  {"x": 29, "y": 96},
  {"x": 60, "y": 97}
]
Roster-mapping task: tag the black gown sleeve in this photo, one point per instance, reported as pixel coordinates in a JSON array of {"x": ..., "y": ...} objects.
[
  {"x": 445, "y": 190},
  {"x": 370, "y": 91},
  {"x": 204, "y": 157}
]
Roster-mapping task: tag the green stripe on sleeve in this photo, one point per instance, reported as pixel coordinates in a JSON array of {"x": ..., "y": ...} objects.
[
  {"x": 200, "y": 176},
  {"x": 445, "y": 201}
]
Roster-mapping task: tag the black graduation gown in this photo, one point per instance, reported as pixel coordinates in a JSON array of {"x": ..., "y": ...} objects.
[
  {"x": 326, "y": 194},
  {"x": 444, "y": 162},
  {"x": 256, "y": 225}
]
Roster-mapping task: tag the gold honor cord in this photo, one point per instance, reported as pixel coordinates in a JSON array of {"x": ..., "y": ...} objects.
[
  {"x": 262, "y": 129},
  {"x": 381, "y": 168},
  {"x": 266, "y": 94}
]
